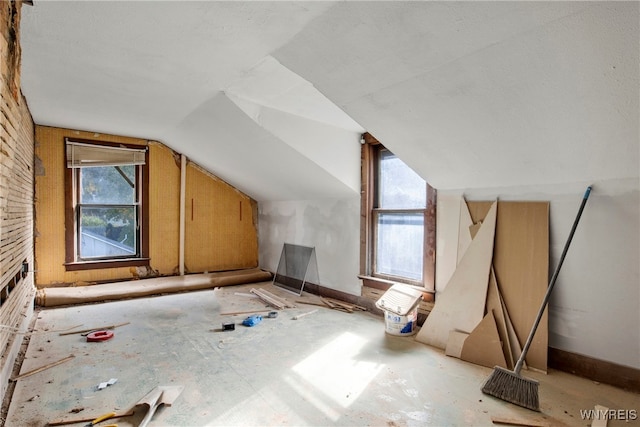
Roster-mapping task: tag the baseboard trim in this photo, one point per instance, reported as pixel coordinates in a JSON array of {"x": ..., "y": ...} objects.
[
  {"x": 364, "y": 301},
  {"x": 625, "y": 377},
  {"x": 343, "y": 296}
]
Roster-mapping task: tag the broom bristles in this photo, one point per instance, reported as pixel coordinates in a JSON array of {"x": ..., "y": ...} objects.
[{"x": 511, "y": 387}]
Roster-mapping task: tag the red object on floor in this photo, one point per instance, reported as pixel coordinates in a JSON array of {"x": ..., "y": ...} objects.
[{"x": 99, "y": 336}]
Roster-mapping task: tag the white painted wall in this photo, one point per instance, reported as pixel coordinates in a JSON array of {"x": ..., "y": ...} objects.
[
  {"x": 595, "y": 306},
  {"x": 332, "y": 226}
]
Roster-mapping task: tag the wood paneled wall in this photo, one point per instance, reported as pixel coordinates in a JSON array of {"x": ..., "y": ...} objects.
[
  {"x": 16, "y": 196},
  {"x": 50, "y": 209},
  {"x": 220, "y": 226}
]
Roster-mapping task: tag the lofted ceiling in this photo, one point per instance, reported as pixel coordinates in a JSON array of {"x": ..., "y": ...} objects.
[{"x": 273, "y": 96}]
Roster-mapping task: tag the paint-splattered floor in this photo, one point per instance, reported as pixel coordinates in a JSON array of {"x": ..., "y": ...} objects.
[{"x": 327, "y": 368}]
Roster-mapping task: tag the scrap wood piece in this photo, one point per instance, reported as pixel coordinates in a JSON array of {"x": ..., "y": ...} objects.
[
  {"x": 42, "y": 368},
  {"x": 327, "y": 302},
  {"x": 286, "y": 302},
  {"x": 455, "y": 343},
  {"x": 483, "y": 346},
  {"x": 272, "y": 299},
  {"x": 518, "y": 422},
  {"x": 350, "y": 305},
  {"x": 298, "y": 316},
  {"x": 87, "y": 419},
  {"x": 309, "y": 302},
  {"x": 268, "y": 299},
  {"x": 344, "y": 305},
  {"x": 235, "y": 313},
  {"x": 335, "y": 306},
  {"x": 82, "y": 331},
  {"x": 461, "y": 305}
]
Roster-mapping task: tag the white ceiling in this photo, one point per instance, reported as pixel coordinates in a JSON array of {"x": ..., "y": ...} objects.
[{"x": 470, "y": 94}]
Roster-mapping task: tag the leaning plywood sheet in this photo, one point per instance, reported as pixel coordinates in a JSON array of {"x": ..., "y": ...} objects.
[
  {"x": 465, "y": 235},
  {"x": 448, "y": 214},
  {"x": 483, "y": 346},
  {"x": 49, "y": 297},
  {"x": 455, "y": 343},
  {"x": 461, "y": 305},
  {"x": 521, "y": 262}
]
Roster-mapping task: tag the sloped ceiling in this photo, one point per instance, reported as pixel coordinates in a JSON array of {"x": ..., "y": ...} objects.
[{"x": 272, "y": 96}]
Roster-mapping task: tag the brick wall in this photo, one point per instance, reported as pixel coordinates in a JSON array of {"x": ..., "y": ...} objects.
[{"x": 16, "y": 196}]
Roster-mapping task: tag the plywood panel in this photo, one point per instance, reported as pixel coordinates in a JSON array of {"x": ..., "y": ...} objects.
[
  {"x": 521, "y": 263},
  {"x": 448, "y": 213},
  {"x": 483, "y": 346},
  {"x": 455, "y": 343},
  {"x": 461, "y": 305},
  {"x": 465, "y": 235},
  {"x": 220, "y": 227}
]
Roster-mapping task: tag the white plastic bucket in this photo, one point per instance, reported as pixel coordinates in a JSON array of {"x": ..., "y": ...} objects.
[{"x": 396, "y": 324}]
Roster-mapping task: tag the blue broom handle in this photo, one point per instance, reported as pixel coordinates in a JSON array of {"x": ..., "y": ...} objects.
[{"x": 520, "y": 361}]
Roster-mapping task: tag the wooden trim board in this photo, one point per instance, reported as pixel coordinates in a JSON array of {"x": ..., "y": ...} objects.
[{"x": 625, "y": 377}]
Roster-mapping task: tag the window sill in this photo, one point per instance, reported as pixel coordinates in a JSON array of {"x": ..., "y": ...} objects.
[
  {"x": 96, "y": 265},
  {"x": 428, "y": 296},
  {"x": 385, "y": 284}
]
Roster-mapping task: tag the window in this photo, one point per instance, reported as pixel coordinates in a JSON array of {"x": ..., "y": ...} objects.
[
  {"x": 106, "y": 218},
  {"x": 398, "y": 211},
  {"x": 398, "y": 217}
]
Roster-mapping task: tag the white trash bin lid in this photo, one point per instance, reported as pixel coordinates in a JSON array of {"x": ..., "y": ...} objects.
[{"x": 399, "y": 299}]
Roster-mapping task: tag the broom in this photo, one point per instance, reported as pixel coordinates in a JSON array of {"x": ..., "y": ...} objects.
[{"x": 509, "y": 385}]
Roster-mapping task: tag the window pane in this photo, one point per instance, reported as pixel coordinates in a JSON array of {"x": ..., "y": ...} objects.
[
  {"x": 399, "y": 186},
  {"x": 107, "y": 232},
  {"x": 107, "y": 185},
  {"x": 400, "y": 244}
]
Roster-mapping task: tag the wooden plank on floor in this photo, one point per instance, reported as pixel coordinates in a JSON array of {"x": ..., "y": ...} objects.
[
  {"x": 511, "y": 421},
  {"x": 42, "y": 368}
]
